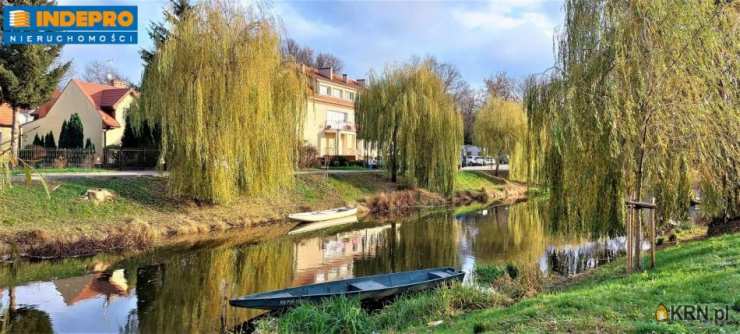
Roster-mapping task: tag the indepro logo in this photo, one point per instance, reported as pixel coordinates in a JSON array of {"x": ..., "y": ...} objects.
[
  {"x": 20, "y": 19},
  {"x": 70, "y": 25}
]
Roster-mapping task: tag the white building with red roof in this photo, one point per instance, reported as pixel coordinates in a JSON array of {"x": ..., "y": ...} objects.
[{"x": 101, "y": 108}]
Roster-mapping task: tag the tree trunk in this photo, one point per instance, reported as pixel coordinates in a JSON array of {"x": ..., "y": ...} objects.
[
  {"x": 394, "y": 155},
  {"x": 628, "y": 239},
  {"x": 14, "y": 139},
  {"x": 496, "y": 167},
  {"x": 638, "y": 241},
  {"x": 11, "y": 301}
]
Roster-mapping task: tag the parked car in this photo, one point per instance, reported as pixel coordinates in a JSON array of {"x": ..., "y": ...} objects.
[
  {"x": 482, "y": 161},
  {"x": 374, "y": 163},
  {"x": 473, "y": 161}
]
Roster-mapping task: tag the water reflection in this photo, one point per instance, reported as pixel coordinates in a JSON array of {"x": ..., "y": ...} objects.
[{"x": 185, "y": 290}]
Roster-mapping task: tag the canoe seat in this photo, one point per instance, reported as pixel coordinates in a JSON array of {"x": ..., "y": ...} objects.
[
  {"x": 438, "y": 275},
  {"x": 280, "y": 295},
  {"x": 366, "y": 285}
]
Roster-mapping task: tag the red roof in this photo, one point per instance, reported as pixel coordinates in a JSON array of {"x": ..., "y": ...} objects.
[
  {"x": 44, "y": 108},
  {"x": 104, "y": 98},
  {"x": 338, "y": 78},
  {"x": 6, "y": 115}
]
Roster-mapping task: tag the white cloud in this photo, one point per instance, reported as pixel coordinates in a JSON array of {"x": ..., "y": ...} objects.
[
  {"x": 499, "y": 16},
  {"x": 299, "y": 27}
]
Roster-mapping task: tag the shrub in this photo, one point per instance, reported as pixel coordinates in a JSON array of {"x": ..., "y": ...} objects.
[
  {"x": 459, "y": 297},
  {"x": 512, "y": 270},
  {"x": 531, "y": 282},
  {"x": 357, "y": 163},
  {"x": 308, "y": 156},
  {"x": 345, "y": 315},
  {"x": 339, "y": 161},
  {"x": 685, "y": 225},
  {"x": 487, "y": 274},
  {"x": 411, "y": 310},
  {"x": 407, "y": 183},
  {"x": 527, "y": 283},
  {"x": 336, "y": 315},
  {"x": 49, "y": 141}
]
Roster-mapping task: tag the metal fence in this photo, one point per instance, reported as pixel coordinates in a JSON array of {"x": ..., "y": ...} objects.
[
  {"x": 130, "y": 158},
  {"x": 40, "y": 157},
  {"x": 117, "y": 158}
]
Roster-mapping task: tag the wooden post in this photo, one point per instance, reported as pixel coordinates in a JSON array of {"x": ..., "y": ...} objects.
[
  {"x": 638, "y": 240},
  {"x": 14, "y": 130},
  {"x": 652, "y": 235},
  {"x": 628, "y": 238}
]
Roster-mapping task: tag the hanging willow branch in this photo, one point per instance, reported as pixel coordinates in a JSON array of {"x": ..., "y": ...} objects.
[
  {"x": 411, "y": 119},
  {"x": 230, "y": 110},
  {"x": 644, "y": 93},
  {"x": 500, "y": 128}
]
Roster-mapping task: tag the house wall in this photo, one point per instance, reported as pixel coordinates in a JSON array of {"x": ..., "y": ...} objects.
[
  {"x": 315, "y": 122},
  {"x": 4, "y": 138},
  {"x": 72, "y": 101},
  {"x": 313, "y": 127},
  {"x": 114, "y": 136}
]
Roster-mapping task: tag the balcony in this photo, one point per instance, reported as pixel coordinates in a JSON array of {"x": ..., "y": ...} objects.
[
  {"x": 331, "y": 150},
  {"x": 334, "y": 126}
]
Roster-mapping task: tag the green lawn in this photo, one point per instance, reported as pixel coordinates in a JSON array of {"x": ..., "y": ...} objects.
[
  {"x": 700, "y": 272},
  {"x": 23, "y": 207},
  {"x": 467, "y": 180},
  {"x": 43, "y": 171}
]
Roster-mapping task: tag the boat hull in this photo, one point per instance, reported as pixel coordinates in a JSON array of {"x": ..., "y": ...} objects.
[
  {"x": 310, "y": 227},
  {"x": 365, "y": 288},
  {"x": 317, "y": 216}
]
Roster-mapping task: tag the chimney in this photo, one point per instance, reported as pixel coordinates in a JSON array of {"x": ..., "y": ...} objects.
[
  {"x": 344, "y": 77},
  {"x": 361, "y": 82},
  {"x": 119, "y": 83},
  {"x": 327, "y": 72}
]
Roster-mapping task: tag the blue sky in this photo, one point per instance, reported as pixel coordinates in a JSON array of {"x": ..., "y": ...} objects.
[{"x": 479, "y": 37}]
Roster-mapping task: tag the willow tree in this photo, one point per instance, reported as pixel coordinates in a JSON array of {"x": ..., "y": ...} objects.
[
  {"x": 410, "y": 118},
  {"x": 640, "y": 89},
  {"x": 499, "y": 127},
  {"x": 230, "y": 110}
]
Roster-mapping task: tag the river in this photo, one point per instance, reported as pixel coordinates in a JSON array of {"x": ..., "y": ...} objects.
[{"x": 184, "y": 289}]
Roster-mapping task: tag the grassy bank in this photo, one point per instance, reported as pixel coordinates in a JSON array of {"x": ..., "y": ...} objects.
[
  {"x": 142, "y": 213},
  {"x": 604, "y": 300},
  {"x": 607, "y": 300}
]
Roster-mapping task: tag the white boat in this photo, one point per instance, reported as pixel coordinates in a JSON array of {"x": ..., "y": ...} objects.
[
  {"x": 303, "y": 228},
  {"x": 317, "y": 216}
]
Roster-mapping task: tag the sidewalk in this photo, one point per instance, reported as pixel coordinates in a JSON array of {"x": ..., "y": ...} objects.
[
  {"x": 154, "y": 173},
  {"x": 490, "y": 167}
]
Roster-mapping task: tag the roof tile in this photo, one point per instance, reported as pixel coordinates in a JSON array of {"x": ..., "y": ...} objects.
[
  {"x": 6, "y": 115},
  {"x": 103, "y": 97}
]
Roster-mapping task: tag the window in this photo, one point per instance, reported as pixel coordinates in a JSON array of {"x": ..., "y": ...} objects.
[
  {"x": 336, "y": 119},
  {"x": 350, "y": 95},
  {"x": 336, "y": 93},
  {"x": 324, "y": 90}
]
